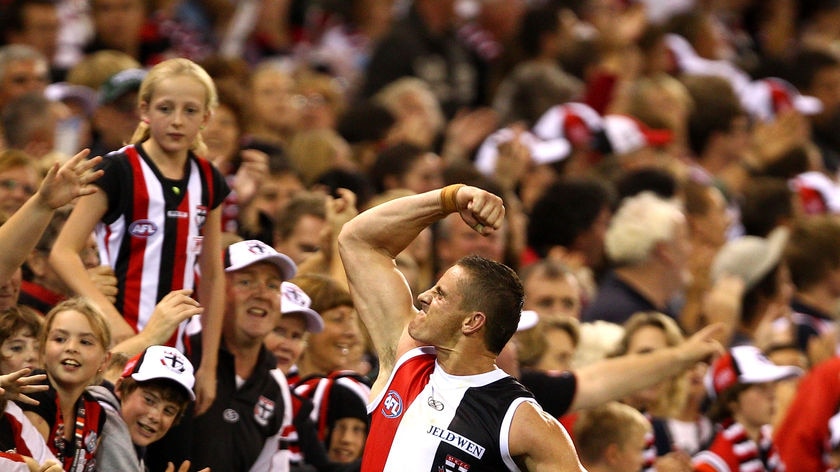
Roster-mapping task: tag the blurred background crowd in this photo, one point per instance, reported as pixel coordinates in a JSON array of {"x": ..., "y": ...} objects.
[{"x": 666, "y": 165}]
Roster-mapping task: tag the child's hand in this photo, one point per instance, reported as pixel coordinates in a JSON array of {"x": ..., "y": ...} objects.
[
  {"x": 73, "y": 179},
  {"x": 16, "y": 385}
]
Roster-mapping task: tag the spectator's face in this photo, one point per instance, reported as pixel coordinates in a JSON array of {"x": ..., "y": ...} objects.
[
  {"x": 553, "y": 297},
  {"x": 16, "y": 186},
  {"x": 40, "y": 28},
  {"x": 347, "y": 440},
  {"x": 305, "y": 239},
  {"x": 560, "y": 348},
  {"x": 118, "y": 23},
  {"x": 710, "y": 228},
  {"x": 645, "y": 340},
  {"x": 116, "y": 121},
  {"x": 22, "y": 77},
  {"x": 253, "y": 302},
  {"x": 221, "y": 135},
  {"x": 755, "y": 406},
  {"x": 425, "y": 174},
  {"x": 275, "y": 192},
  {"x": 287, "y": 340},
  {"x": 631, "y": 454},
  {"x": 10, "y": 290},
  {"x": 271, "y": 92},
  {"x": 18, "y": 351},
  {"x": 333, "y": 348},
  {"x": 147, "y": 415},
  {"x": 463, "y": 241}
]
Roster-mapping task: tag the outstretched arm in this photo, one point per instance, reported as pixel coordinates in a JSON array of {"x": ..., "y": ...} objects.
[
  {"x": 61, "y": 186},
  {"x": 369, "y": 243},
  {"x": 613, "y": 379}
]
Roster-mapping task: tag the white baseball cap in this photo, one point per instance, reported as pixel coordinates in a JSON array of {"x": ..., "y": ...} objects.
[
  {"x": 750, "y": 257},
  {"x": 162, "y": 362},
  {"x": 542, "y": 151},
  {"x": 745, "y": 365},
  {"x": 626, "y": 134},
  {"x": 244, "y": 253},
  {"x": 295, "y": 300}
]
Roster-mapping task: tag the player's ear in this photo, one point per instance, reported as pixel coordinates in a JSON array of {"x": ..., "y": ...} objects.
[{"x": 474, "y": 322}]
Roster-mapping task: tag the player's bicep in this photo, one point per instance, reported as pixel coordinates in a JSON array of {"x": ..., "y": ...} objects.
[{"x": 538, "y": 442}]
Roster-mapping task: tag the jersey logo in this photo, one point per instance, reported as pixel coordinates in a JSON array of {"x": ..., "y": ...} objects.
[
  {"x": 453, "y": 464},
  {"x": 230, "y": 415},
  {"x": 142, "y": 228},
  {"x": 263, "y": 410},
  {"x": 200, "y": 216},
  {"x": 465, "y": 444},
  {"x": 392, "y": 405}
]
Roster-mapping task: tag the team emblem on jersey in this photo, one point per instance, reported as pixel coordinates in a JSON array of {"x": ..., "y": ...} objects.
[
  {"x": 392, "y": 405},
  {"x": 453, "y": 464},
  {"x": 263, "y": 410},
  {"x": 230, "y": 415},
  {"x": 200, "y": 216},
  {"x": 142, "y": 228}
]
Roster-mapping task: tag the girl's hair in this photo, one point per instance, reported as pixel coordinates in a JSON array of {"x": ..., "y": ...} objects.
[
  {"x": 19, "y": 318},
  {"x": 166, "y": 70},
  {"x": 94, "y": 317}
]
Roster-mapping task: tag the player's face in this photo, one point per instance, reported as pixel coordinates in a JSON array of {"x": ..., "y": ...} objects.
[
  {"x": 147, "y": 415},
  {"x": 18, "y": 351},
  {"x": 73, "y": 353},
  {"x": 347, "y": 440},
  {"x": 438, "y": 322},
  {"x": 334, "y": 347},
  {"x": 176, "y": 113},
  {"x": 755, "y": 406},
  {"x": 287, "y": 340},
  {"x": 253, "y": 301}
]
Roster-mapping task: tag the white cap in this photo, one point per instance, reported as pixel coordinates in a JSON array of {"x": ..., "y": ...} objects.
[
  {"x": 575, "y": 122},
  {"x": 750, "y": 257},
  {"x": 244, "y": 253},
  {"x": 766, "y": 97},
  {"x": 162, "y": 362},
  {"x": 527, "y": 320},
  {"x": 626, "y": 134},
  {"x": 542, "y": 151},
  {"x": 745, "y": 365},
  {"x": 295, "y": 300}
]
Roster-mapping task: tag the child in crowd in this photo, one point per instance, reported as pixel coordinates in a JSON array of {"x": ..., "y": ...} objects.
[
  {"x": 154, "y": 392},
  {"x": 742, "y": 384},
  {"x": 612, "y": 437},
  {"x": 74, "y": 346},
  {"x": 19, "y": 328},
  {"x": 158, "y": 216}
]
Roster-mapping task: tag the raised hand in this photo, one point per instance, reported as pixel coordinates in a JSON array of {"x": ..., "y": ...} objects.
[
  {"x": 16, "y": 385},
  {"x": 481, "y": 210},
  {"x": 66, "y": 182}
]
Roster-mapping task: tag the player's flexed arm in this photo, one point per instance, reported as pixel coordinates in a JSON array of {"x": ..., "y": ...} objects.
[{"x": 369, "y": 243}]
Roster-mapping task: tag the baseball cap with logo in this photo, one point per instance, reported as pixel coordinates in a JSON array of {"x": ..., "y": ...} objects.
[
  {"x": 766, "y": 97},
  {"x": 295, "y": 300},
  {"x": 162, "y": 362},
  {"x": 626, "y": 134},
  {"x": 745, "y": 365},
  {"x": 244, "y": 253},
  {"x": 119, "y": 84}
]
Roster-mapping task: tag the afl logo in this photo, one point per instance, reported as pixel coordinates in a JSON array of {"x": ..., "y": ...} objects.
[
  {"x": 142, "y": 228},
  {"x": 392, "y": 405}
]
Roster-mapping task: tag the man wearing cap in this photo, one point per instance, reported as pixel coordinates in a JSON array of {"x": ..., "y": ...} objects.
[
  {"x": 154, "y": 391},
  {"x": 117, "y": 115},
  {"x": 742, "y": 386},
  {"x": 253, "y": 399}
]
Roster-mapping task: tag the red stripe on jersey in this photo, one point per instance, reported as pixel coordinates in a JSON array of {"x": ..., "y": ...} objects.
[
  {"x": 140, "y": 211},
  {"x": 17, "y": 431},
  {"x": 410, "y": 378}
]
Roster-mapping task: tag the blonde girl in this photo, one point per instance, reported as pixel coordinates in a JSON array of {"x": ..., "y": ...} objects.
[
  {"x": 157, "y": 215},
  {"x": 74, "y": 345}
]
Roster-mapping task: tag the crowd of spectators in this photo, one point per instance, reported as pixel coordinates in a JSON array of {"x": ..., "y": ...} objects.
[{"x": 670, "y": 169}]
